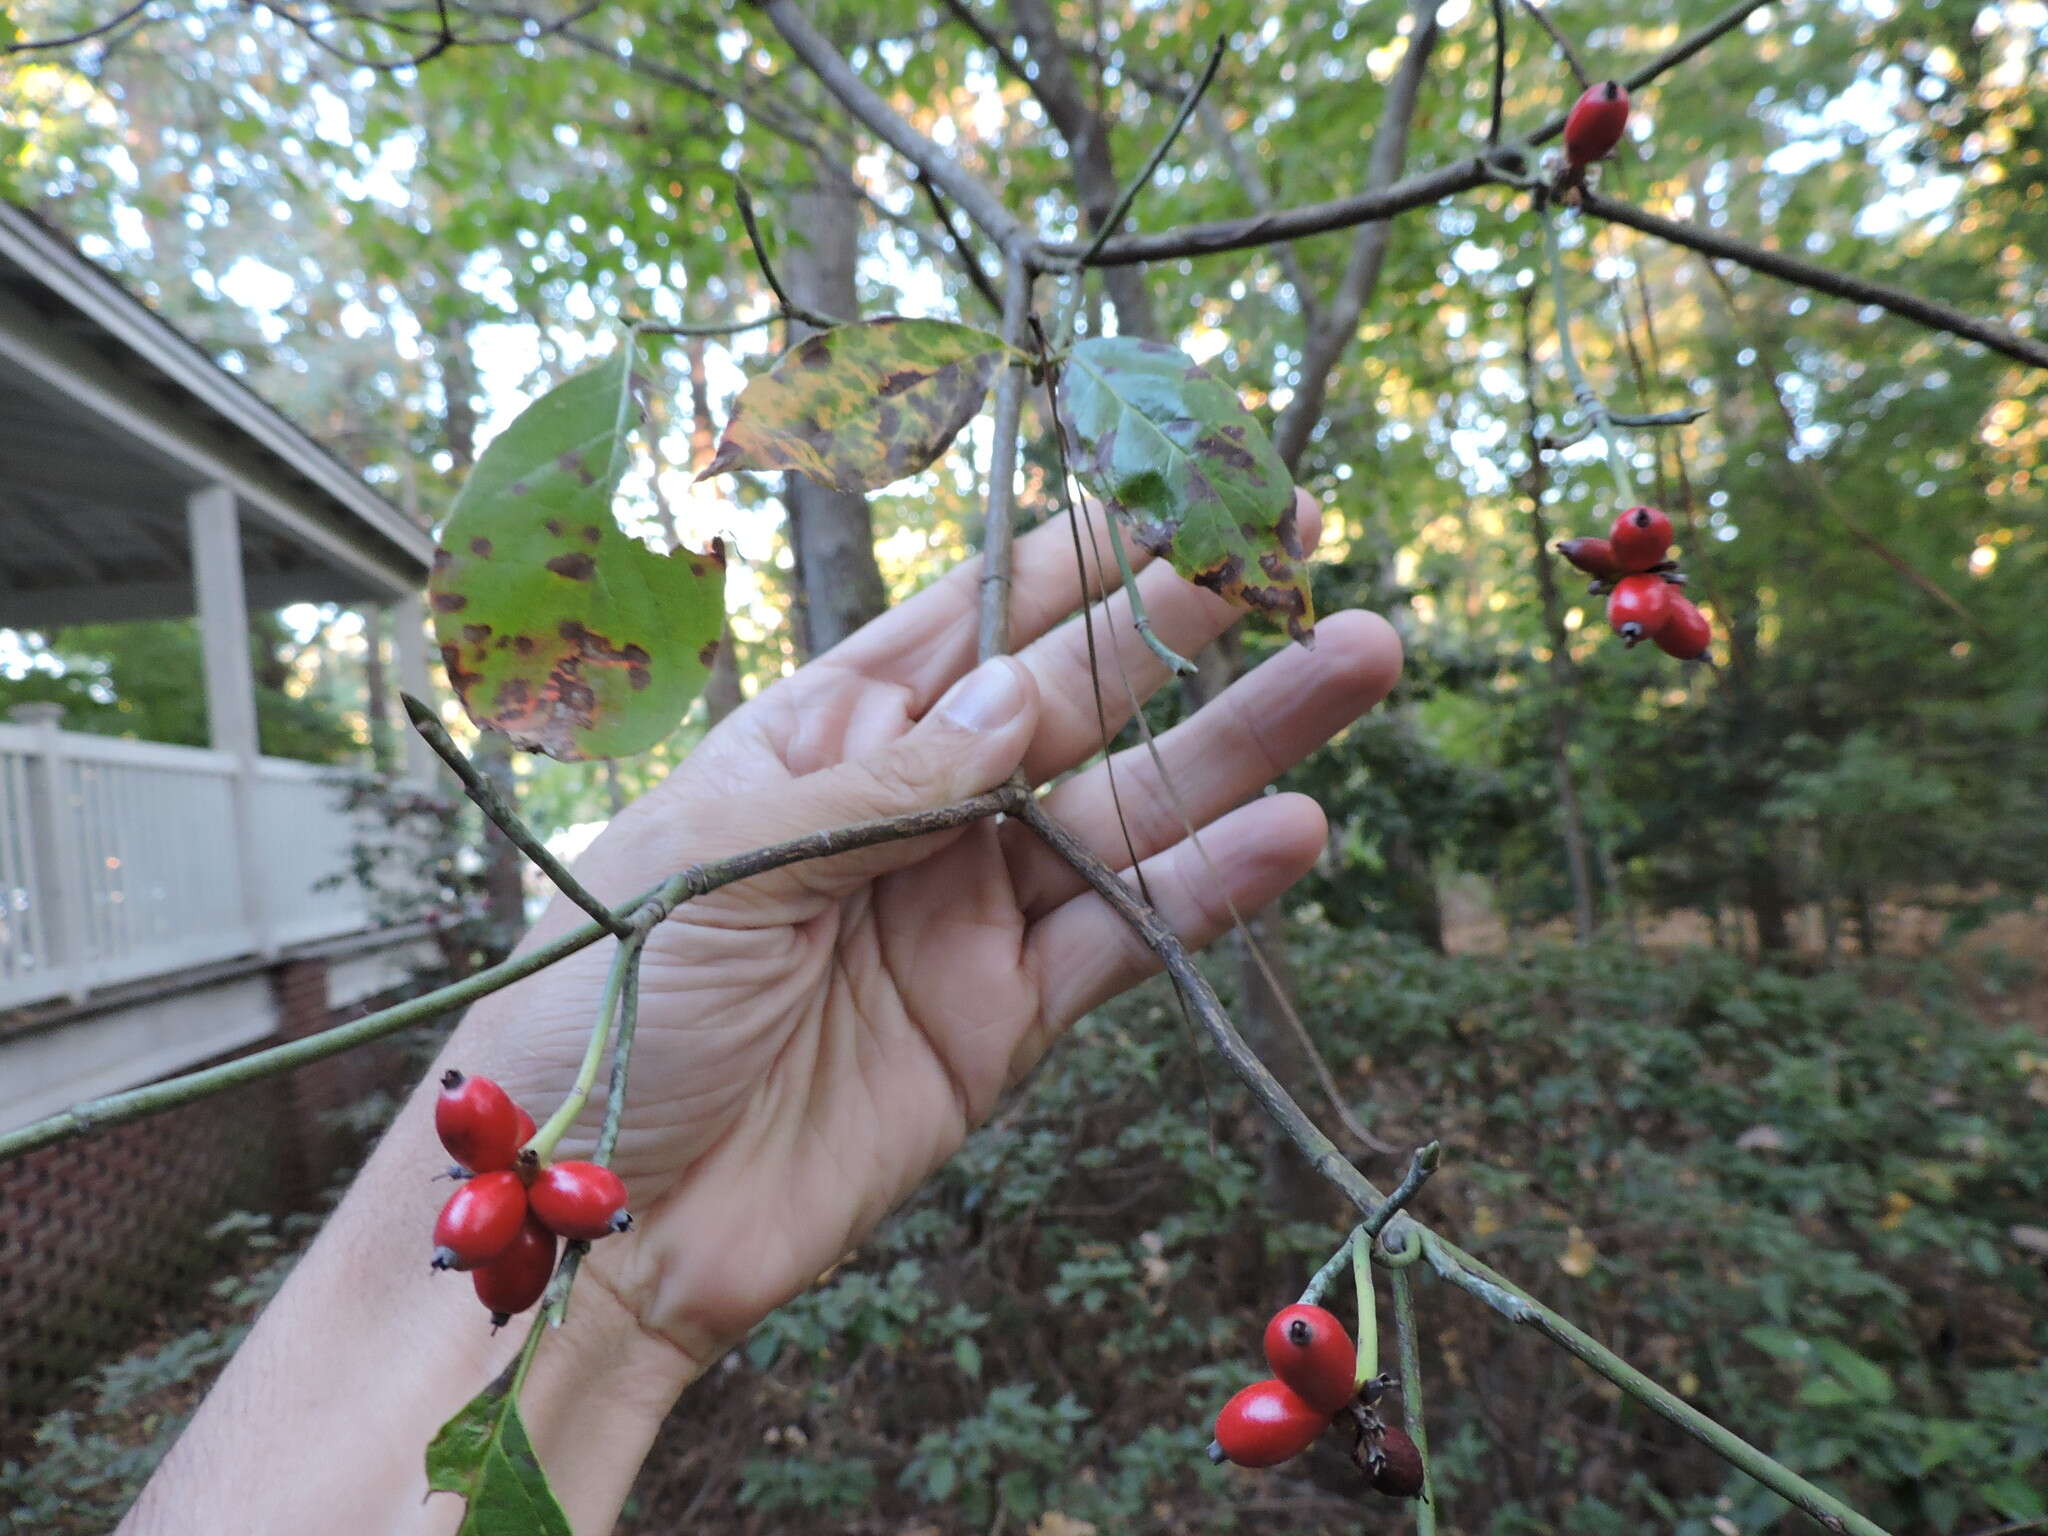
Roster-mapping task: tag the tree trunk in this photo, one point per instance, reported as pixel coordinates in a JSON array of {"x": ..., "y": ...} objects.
[
  {"x": 377, "y": 691},
  {"x": 837, "y": 585},
  {"x": 504, "y": 865},
  {"x": 1768, "y": 903}
]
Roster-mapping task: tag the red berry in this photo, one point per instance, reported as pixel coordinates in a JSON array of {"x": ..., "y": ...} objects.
[
  {"x": 525, "y": 1131},
  {"x": 1593, "y": 556},
  {"x": 1638, "y": 607},
  {"x": 1266, "y": 1424},
  {"x": 1640, "y": 538},
  {"x": 1310, "y": 1351},
  {"x": 478, "y": 1122},
  {"x": 1399, "y": 1475},
  {"x": 1596, "y": 123},
  {"x": 581, "y": 1200},
  {"x": 1686, "y": 633},
  {"x": 515, "y": 1279},
  {"x": 479, "y": 1221}
]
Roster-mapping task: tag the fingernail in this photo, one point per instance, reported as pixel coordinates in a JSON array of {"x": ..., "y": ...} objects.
[{"x": 985, "y": 698}]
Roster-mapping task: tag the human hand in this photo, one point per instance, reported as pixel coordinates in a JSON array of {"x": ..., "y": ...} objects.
[{"x": 814, "y": 1042}]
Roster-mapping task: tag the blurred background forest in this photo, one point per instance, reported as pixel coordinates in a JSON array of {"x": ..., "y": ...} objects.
[{"x": 1721, "y": 986}]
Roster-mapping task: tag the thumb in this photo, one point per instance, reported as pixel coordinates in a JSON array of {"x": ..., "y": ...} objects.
[{"x": 968, "y": 742}]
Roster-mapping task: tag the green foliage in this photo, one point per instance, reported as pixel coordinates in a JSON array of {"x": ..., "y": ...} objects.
[
  {"x": 143, "y": 680},
  {"x": 1788, "y": 1197},
  {"x": 556, "y": 627},
  {"x": 483, "y": 1454},
  {"x": 1172, "y": 451}
]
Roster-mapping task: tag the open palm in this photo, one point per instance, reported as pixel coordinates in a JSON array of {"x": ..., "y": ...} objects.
[{"x": 814, "y": 1042}]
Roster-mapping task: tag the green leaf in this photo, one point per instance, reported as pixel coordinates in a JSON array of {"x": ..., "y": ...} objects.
[
  {"x": 1864, "y": 1376},
  {"x": 555, "y": 626},
  {"x": 967, "y": 1355},
  {"x": 483, "y": 1454},
  {"x": 1172, "y": 449},
  {"x": 860, "y": 405},
  {"x": 1781, "y": 1343}
]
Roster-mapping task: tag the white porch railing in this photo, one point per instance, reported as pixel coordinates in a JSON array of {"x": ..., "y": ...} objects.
[{"x": 123, "y": 859}]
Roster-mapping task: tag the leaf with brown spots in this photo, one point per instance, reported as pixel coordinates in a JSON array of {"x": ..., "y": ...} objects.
[
  {"x": 860, "y": 405},
  {"x": 556, "y": 627},
  {"x": 1171, "y": 449}
]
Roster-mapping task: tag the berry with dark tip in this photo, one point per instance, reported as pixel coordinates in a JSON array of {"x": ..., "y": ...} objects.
[
  {"x": 1640, "y": 538},
  {"x": 1593, "y": 556},
  {"x": 516, "y": 1278},
  {"x": 580, "y": 1200},
  {"x": 478, "y": 1122},
  {"x": 1308, "y": 1348},
  {"x": 1686, "y": 633},
  {"x": 1267, "y": 1423},
  {"x": 480, "y": 1220},
  {"x": 1639, "y": 606},
  {"x": 1596, "y": 123}
]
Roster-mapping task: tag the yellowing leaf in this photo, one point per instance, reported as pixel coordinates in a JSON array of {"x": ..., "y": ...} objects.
[{"x": 860, "y": 405}]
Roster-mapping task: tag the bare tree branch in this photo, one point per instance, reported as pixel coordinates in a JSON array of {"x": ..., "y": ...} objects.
[
  {"x": 1337, "y": 326},
  {"x": 84, "y": 35},
  {"x": 837, "y": 76},
  {"x": 1805, "y": 274}
]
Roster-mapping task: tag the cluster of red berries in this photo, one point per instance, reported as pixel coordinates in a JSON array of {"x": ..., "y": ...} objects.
[
  {"x": 1643, "y": 600},
  {"x": 1595, "y": 125},
  {"x": 1313, "y": 1386},
  {"x": 503, "y": 1222}
]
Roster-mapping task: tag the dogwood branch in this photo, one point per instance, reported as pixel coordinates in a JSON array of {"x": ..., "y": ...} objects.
[{"x": 643, "y": 911}]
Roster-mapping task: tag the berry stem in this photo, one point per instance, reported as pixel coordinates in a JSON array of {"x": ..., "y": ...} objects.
[
  {"x": 1410, "y": 1346},
  {"x": 1588, "y": 399},
  {"x": 542, "y": 1144},
  {"x": 1368, "y": 1305}
]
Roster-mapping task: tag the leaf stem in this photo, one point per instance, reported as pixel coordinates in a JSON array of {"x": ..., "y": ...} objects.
[
  {"x": 1368, "y": 1309},
  {"x": 1588, "y": 399},
  {"x": 1166, "y": 653},
  {"x": 508, "y": 821}
]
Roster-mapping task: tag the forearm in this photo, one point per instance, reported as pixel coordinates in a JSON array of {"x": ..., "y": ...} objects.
[{"x": 322, "y": 1419}]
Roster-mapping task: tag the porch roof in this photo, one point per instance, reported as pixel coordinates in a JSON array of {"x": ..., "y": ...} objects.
[{"x": 110, "y": 417}]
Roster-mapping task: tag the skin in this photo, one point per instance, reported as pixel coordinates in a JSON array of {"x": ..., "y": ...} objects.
[{"x": 812, "y": 1043}]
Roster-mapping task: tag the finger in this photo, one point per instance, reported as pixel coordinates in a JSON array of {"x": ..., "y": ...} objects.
[
  {"x": 1184, "y": 616},
  {"x": 971, "y": 740},
  {"x": 1082, "y": 953},
  {"x": 931, "y": 640},
  {"x": 1258, "y": 728}
]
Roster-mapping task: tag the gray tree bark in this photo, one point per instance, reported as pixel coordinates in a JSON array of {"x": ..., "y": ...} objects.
[{"x": 837, "y": 587}]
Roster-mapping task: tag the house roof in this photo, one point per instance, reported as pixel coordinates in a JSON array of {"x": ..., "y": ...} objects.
[{"x": 110, "y": 417}]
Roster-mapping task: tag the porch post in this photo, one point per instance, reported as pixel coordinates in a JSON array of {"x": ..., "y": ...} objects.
[
  {"x": 215, "y": 532},
  {"x": 409, "y": 640}
]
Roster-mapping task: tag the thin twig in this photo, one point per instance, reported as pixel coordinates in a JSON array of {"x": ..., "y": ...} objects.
[
  {"x": 647, "y": 908},
  {"x": 817, "y": 320},
  {"x": 1113, "y": 220},
  {"x": 999, "y": 524},
  {"x": 1858, "y": 290},
  {"x": 1571, "y": 54},
  {"x": 1408, "y": 1341},
  {"x": 969, "y": 262},
  {"x": 1500, "y": 72},
  {"x": 503, "y": 817},
  {"x": 622, "y": 1057},
  {"x": 1453, "y": 1263},
  {"x": 1426, "y": 1161},
  {"x": 72, "y": 39}
]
